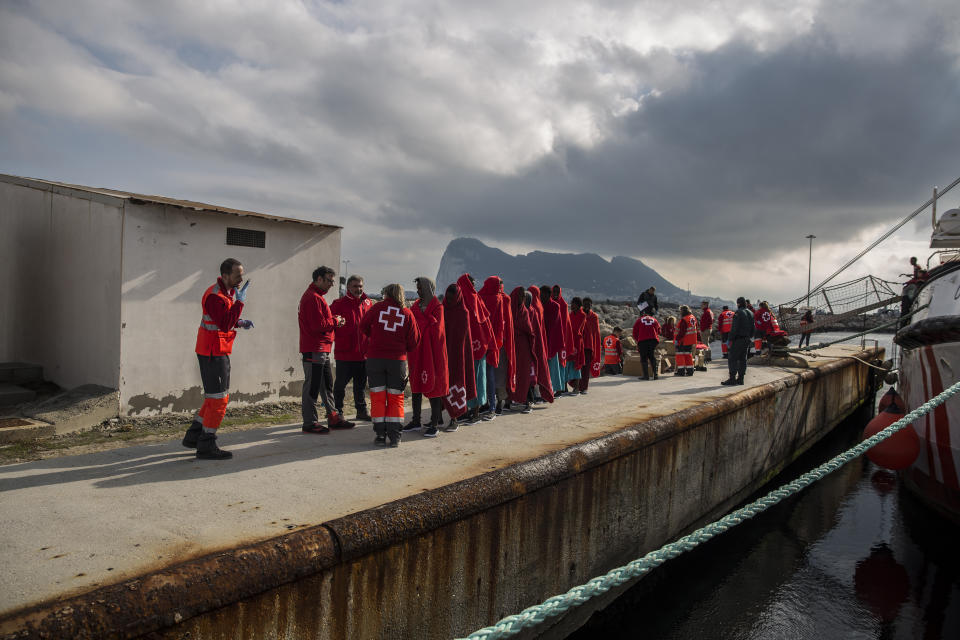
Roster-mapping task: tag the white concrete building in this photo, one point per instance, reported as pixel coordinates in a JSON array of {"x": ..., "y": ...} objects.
[{"x": 103, "y": 287}]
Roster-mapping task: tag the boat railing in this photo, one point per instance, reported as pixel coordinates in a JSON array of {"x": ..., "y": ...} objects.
[{"x": 945, "y": 256}]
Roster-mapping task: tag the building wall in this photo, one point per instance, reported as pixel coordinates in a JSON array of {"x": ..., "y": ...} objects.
[
  {"x": 60, "y": 278},
  {"x": 170, "y": 256}
]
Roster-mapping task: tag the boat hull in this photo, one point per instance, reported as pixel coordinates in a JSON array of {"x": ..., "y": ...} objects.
[{"x": 935, "y": 476}]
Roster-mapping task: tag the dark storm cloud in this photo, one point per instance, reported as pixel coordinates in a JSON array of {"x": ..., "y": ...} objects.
[{"x": 753, "y": 151}]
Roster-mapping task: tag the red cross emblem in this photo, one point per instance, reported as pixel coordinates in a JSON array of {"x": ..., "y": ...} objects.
[
  {"x": 424, "y": 377},
  {"x": 596, "y": 366},
  {"x": 457, "y": 397},
  {"x": 647, "y": 320},
  {"x": 476, "y": 345},
  {"x": 391, "y": 318},
  {"x": 563, "y": 354}
]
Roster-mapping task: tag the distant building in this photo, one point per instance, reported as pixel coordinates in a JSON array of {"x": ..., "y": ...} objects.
[{"x": 103, "y": 287}]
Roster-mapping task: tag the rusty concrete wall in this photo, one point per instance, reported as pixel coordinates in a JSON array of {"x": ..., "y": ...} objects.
[{"x": 444, "y": 563}]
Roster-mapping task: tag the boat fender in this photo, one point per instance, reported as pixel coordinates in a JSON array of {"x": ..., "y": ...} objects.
[{"x": 899, "y": 450}]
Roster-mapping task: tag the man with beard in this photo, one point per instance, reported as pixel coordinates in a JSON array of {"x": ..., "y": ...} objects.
[
  {"x": 349, "y": 347},
  {"x": 317, "y": 326},
  {"x": 222, "y": 304}
]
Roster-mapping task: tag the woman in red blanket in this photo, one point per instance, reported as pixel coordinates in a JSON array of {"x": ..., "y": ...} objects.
[
  {"x": 428, "y": 362},
  {"x": 500, "y": 381},
  {"x": 462, "y": 383},
  {"x": 524, "y": 340},
  {"x": 553, "y": 327},
  {"x": 483, "y": 342},
  {"x": 575, "y": 356},
  {"x": 592, "y": 348},
  {"x": 543, "y": 391}
]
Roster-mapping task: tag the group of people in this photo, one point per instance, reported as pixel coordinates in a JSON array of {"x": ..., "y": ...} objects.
[{"x": 473, "y": 353}]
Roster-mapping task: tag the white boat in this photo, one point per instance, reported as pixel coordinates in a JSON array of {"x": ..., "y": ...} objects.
[{"x": 930, "y": 362}]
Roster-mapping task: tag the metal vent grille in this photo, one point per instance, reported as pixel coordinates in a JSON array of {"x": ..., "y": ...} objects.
[{"x": 246, "y": 238}]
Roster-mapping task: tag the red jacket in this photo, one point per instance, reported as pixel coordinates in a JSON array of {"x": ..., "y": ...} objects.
[
  {"x": 219, "y": 320},
  {"x": 687, "y": 332},
  {"x": 392, "y": 331},
  {"x": 646, "y": 328},
  {"x": 350, "y": 344},
  {"x": 706, "y": 320},
  {"x": 316, "y": 321}
]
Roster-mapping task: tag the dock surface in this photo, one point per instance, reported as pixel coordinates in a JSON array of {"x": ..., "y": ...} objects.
[{"x": 70, "y": 524}]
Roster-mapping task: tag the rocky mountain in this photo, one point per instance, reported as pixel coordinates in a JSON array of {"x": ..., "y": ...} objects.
[{"x": 580, "y": 274}]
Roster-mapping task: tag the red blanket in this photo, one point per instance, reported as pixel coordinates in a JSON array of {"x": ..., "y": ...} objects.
[
  {"x": 481, "y": 332},
  {"x": 501, "y": 320},
  {"x": 567, "y": 352},
  {"x": 526, "y": 365},
  {"x": 591, "y": 341},
  {"x": 577, "y": 321},
  {"x": 428, "y": 362},
  {"x": 540, "y": 346},
  {"x": 462, "y": 380}
]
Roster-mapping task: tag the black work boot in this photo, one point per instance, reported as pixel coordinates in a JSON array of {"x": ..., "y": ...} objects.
[
  {"x": 393, "y": 435},
  {"x": 207, "y": 448},
  {"x": 646, "y": 370},
  {"x": 729, "y": 381},
  {"x": 362, "y": 414},
  {"x": 192, "y": 435}
]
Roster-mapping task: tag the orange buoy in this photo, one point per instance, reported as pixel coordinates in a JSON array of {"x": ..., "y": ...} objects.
[
  {"x": 899, "y": 450},
  {"x": 891, "y": 397}
]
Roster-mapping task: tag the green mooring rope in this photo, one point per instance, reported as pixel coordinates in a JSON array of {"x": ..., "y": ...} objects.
[{"x": 532, "y": 616}]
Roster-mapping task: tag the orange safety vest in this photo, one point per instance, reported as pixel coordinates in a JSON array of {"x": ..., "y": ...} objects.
[
  {"x": 726, "y": 321},
  {"x": 210, "y": 340},
  {"x": 610, "y": 350},
  {"x": 690, "y": 336}
]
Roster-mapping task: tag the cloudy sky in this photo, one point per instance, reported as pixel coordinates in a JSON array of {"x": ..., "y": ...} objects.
[{"x": 705, "y": 138}]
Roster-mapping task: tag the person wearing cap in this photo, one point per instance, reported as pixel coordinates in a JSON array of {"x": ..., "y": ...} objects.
[{"x": 738, "y": 343}]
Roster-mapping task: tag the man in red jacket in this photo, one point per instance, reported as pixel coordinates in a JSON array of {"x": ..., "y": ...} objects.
[
  {"x": 222, "y": 304},
  {"x": 317, "y": 325},
  {"x": 350, "y": 346},
  {"x": 706, "y": 325}
]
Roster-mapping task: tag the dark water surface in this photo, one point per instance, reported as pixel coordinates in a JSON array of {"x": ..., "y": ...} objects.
[{"x": 853, "y": 556}]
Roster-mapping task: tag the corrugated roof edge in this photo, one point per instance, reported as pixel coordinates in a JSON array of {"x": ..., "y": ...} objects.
[{"x": 139, "y": 198}]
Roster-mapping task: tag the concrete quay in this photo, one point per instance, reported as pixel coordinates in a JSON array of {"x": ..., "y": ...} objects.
[{"x": 307, "y": 536}]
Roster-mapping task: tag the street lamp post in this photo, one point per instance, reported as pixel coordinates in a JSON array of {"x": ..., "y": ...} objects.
[{"x": 809, "y": 266}]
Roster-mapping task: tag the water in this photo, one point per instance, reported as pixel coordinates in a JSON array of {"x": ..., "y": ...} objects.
[{"x": 853, "y": 556}]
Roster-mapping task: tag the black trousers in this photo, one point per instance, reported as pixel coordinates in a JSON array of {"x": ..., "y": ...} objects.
[
  {"x": 737, "y": 356},
  {"x": 804, "y": 336},
  {"x": 348, "y": 370},
  {"x": 585, "y": 370},
  {"x": 214, "y": 373},
  {"x": 646, "y": 349},
  {"x": 317, "y": 385}
]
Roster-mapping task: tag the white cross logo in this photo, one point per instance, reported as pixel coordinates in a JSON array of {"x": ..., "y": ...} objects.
[
  {"x": 596, "y": 366},
  {"x": 457, "y": 396},
  {"x": 476, "y": 345},
  {"x": 391, "y": 319}
]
